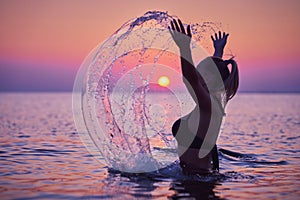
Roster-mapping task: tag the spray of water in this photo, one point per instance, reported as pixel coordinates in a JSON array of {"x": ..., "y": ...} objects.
[{"x": 123, "y": 116}]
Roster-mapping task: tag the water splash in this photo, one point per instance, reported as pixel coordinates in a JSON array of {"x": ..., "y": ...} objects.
[{"x": 117, "y": 101}]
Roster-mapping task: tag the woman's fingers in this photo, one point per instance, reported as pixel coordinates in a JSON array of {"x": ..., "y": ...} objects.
[
  {"x": 176, "y": 25},
  {"x": 212, "y": 37},
  {"x": 173, "y": 28},
  {"x": 227, "y": 35},
  {"x": 181, "y": 26},
  {"x": 189, "y": 31},
  {"x": 219, "y": 36}
]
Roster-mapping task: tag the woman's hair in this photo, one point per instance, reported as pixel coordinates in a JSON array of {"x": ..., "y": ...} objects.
[{"x": 230, "y": 79}]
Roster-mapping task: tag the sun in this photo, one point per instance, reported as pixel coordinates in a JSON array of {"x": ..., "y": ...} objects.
[{"x": 163, "y": 81}]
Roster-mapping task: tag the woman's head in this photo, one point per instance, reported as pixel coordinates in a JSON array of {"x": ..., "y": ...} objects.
[{"x": 230, "y": 79}]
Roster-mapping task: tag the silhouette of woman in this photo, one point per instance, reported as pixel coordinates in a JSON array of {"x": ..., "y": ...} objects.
[{"x": 208, "y": 96}]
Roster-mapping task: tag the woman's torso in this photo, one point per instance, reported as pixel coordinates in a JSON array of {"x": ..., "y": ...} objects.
[{"x": 195, "y": 125}]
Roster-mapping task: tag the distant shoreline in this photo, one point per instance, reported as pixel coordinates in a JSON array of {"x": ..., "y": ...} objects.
[{"x": 241, "y": 92}]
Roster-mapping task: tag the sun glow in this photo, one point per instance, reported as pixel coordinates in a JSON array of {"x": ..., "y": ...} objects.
[{"x": 163, "y": 81}]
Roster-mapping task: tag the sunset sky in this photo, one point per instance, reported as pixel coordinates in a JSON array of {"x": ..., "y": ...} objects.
[{"x": 43, "y": 43}]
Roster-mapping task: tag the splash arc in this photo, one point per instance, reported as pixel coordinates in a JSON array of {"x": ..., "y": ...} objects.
[{"x": 112, "y": 96}]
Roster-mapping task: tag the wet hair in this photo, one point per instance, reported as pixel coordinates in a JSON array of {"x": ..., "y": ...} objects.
[{"x": 230, "y": 79}]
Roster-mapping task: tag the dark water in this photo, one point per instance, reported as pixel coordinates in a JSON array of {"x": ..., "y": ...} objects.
[{"x": 42, "y": 156}]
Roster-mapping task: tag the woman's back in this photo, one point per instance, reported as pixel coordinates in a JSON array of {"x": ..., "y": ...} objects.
[{"x": 193, "y": 129}]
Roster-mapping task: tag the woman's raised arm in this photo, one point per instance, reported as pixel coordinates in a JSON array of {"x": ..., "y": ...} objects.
[{"x": 191, "y": 77}]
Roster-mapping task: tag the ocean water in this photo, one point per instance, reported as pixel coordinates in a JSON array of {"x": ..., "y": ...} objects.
[{"x": 42, "y": 156}]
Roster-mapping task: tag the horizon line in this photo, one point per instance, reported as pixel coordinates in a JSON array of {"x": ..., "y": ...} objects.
[{"x": 68, "y": 91}]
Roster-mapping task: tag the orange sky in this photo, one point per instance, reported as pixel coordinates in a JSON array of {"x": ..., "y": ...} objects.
[{"x": 58, "y": 34}]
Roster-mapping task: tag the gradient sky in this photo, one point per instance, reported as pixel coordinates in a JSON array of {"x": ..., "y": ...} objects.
[{"x": 43, "y": 43}]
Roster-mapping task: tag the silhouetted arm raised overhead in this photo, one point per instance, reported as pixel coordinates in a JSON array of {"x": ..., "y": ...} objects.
[{"x": 191, "y": 77}]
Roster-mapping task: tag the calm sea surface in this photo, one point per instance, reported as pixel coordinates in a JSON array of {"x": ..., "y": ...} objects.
[{"x": 42, "y": 156}]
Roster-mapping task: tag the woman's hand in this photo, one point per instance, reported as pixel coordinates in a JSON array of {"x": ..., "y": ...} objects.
[
  {"x": 181, "y": 37},
  {"x": 219, "y": 43}
]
